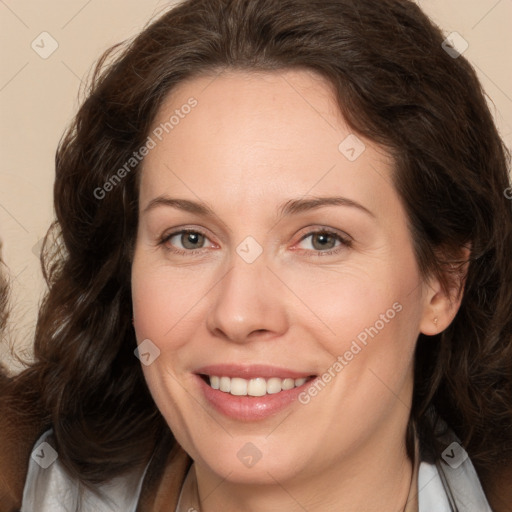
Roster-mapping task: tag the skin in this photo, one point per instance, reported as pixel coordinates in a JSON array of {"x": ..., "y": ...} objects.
[{"x": 254, "y": 142}]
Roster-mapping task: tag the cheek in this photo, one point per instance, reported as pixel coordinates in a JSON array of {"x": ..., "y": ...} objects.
[
  {"x": 353, "y": 302},
  {"x": 163, "y": 300},
  {"x": 149, "y": 298},
  {"x": 160, "y": 303},
  {"x": 369, "y": 316}
]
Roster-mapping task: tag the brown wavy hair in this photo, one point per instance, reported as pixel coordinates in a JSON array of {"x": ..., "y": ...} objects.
[
  {"x": 4, "y": 309},
  {"x": 394, "y": 84}
]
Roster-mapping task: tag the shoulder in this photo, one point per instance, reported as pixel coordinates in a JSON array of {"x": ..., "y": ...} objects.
[
  {"x": 32, "y": 477},
  {"x": 450, "y": 482},
  {"x": 441, "y": 488},
  {"x": 50, "y": 488}
]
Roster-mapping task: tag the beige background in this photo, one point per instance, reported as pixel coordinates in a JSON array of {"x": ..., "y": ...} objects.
[{"x": 39, "y": 96}]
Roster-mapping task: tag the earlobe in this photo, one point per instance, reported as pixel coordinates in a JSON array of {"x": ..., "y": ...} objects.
[
  {"x": 441, "y": 305},
  {"x": 439, "y": 313},
  {"x": 434, "y": 318}
]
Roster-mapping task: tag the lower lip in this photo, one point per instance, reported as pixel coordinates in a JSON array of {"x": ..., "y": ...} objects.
[{"x": 250, "y": 408}]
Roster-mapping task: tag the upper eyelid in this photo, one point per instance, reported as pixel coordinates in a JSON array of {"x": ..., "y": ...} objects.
[
  {"x": 330, "y": 231},
  {"x": 168, "y": 236},
  {"x": 176, "y": 231},
  {"x": 311, "y": 231}
]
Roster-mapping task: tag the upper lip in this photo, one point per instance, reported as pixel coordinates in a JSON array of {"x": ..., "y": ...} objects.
[{"x": 251, "y": 371}]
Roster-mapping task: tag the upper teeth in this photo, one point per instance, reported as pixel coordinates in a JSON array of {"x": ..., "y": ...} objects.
[{"x": 254, "y": 387}]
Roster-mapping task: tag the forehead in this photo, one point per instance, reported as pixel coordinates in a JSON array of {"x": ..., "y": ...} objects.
[{"x": 250, "y": 134}]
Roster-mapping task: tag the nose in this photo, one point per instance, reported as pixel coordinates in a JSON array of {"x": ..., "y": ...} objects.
[{"x": 247, "y": 304}]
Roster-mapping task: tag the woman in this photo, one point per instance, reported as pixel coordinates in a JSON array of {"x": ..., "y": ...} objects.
[{"x": 293, "y": 214}]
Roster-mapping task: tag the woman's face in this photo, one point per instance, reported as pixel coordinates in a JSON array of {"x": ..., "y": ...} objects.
[{"x": 272, "y": 247}]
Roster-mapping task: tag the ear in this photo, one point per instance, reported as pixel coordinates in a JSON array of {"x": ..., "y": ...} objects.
[{"x": 441, "y": 305}]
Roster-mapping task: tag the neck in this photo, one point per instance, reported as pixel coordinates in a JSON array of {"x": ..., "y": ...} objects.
[{"x": 376, "y": 478}]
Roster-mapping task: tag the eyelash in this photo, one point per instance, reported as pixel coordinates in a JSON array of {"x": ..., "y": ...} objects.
[{"x": 345, "y": 242}]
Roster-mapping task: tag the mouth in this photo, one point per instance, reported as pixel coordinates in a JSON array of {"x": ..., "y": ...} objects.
[
  {"x": 251, "y": 393},
  {"x": 255, "y": 387}
]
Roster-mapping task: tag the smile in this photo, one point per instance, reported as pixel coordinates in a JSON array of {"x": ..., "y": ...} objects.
[
  {"x": 258, "y": 386},
  {"x": 250, "y": 393}
]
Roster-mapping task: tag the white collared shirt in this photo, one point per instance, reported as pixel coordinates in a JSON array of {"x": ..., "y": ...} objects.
[{"x": 441, "y": 488}]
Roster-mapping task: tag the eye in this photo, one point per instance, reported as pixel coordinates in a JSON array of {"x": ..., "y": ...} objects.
[
  {"x": 324, "y": 241},
  {"x": 186, "y": 241}
]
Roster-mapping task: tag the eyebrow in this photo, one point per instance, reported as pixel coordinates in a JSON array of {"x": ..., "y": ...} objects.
[
  {"x": 302, "y": 205},
  {"x": 291, "y": 207},
  {"x": 180, "y": 204}
]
